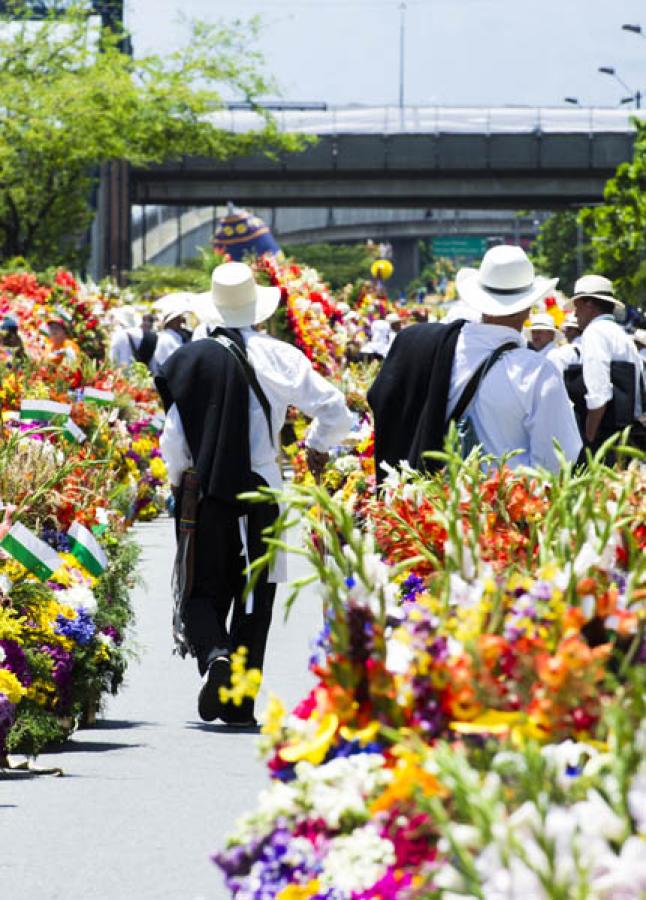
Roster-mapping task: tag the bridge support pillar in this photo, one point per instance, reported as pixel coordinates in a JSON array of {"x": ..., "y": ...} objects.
[
  {"x": 111, "y": 238},
  {"x": 405, "y": 261}
]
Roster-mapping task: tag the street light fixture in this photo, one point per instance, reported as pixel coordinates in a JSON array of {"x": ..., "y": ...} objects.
[
  {"x": 573, "y": 100},
  {"x": 635, "y": 29},
  {"x": 636, "y": 95}
]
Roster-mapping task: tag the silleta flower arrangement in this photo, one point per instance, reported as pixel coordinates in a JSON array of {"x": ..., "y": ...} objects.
[{"x": 477, "y": 723}]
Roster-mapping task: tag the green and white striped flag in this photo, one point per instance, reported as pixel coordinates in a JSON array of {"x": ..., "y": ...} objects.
[
  {"x": 100, "y": 397},
  {"x": 87, "y": 549},
  {"x": 34, "y": 554},
  {"x": 73, "y": 433},
  {"x": 43, "y": 410}
]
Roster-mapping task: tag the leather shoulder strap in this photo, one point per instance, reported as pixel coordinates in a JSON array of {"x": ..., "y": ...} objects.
[
  {"x": 474, "y": 382},
  {"x": 250, "y": 376}
]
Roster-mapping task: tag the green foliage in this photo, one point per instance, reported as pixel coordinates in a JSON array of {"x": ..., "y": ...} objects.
[
  {"x": 71, "y": 101},
  {"x": 338, "y": 264},
  {"x": 618, "y": 227},
  {"x": 34, "y": 729},
  {"x": 555, "y": 251},
  {"x": 194, "y": 275}
]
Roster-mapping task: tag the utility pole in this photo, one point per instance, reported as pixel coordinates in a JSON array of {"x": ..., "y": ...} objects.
[{"x": 402, "y": 59}]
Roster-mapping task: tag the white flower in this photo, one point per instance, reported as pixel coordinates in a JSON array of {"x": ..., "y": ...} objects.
[
  {"x": 356, "y": 861},
  {"x": 637, "y": 801},
  {"x": 3, "y": 655},
  {"x": 78, "y": 596},
  {"x": 399, "y": 656},
  {"x": 623, "y": 876},
  {"x": 596, "y": 819}
]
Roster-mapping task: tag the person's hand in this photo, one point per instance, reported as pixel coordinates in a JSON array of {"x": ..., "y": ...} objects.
[{"x": 316, "y": 462}]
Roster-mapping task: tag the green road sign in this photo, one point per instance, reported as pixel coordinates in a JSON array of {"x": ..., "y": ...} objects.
[{"x": 469, "y": 246}]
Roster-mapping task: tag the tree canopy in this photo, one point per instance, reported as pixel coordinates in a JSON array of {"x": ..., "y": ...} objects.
[
  {"x": 616, "y": 230},
  {"x": 71, "y": 100},
  {"x": 338, "y": 264},
  {"x": 555, "y": 251}
]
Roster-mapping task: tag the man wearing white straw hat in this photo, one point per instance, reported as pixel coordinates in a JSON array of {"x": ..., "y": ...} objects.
[
  {"x": 542, "y": 332},
  {"x": 611, "y": 366},
  {"x": 226, "y": 399},
  {"x": 173, "y": 333},
  {"x": 514, "y": 398}
]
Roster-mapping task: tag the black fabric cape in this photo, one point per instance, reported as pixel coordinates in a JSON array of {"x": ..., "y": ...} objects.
[
  {"x": 212, "y": 397},
  {"x": 410, "y": 394}
]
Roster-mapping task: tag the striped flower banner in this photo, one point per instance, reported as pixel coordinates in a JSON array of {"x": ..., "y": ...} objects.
[
  {"x": 87, "y": 549},
  {"x": 34, "y": 554},
  {"x": 100, "y": 397},
  {"x": 43, "y": 410}
]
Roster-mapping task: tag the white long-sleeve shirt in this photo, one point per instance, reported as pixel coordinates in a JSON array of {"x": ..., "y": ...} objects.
[
  {"x": 521, "y": 403},
  {"x": 288, "y": 379},
  {"x": 168, "y": 341},
  {"x": 566, "y": 355},
  {"x": 121, "y": 352},
  {"x": 603, "y": 342}
]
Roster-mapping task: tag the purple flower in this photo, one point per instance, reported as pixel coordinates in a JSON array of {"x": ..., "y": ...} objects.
[
  {"x": 413, "y": 586},
  {"x": 56, "y": 539},
  {"x": 80, "y": 629},
  {"x": 16, "y": 661},
  {"x": 112, "y": 632}
]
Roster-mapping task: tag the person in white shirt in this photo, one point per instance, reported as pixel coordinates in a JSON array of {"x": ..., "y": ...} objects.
[
  {"x": 126, "y": 342},
  {"x": 542, "y": 332},
  {"x": 639, "y": 337},
  {"x": 172, "y": 336},
  {"x": 204, "y": 386},
  {"x": 521, "y": 403},
  {"x": 603, "y": 343},
  {"x": 568, "y": 354}
]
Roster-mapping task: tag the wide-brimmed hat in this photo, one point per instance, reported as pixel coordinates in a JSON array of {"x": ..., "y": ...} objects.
[
  {"x": 504, "y": 284},
  {"x": 541, "y": 322},
  {"x": 235, "y": 300},
  {"x": 126, "y": 316},
  {"x": 570, "y": 321},
  {"x": 596, "y": 286}
]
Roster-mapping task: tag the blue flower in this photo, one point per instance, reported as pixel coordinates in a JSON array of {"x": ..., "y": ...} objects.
[{"x": 80, "y": 629}]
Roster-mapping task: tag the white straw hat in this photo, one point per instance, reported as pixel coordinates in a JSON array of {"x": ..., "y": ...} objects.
[
  {"x": 504, "y": 284},
  {"x": 594, "y": 286},
  {"x": 235, "y": 300},
  {"x": 541, "y": 322},
  {"x": 570, "y": 321}
]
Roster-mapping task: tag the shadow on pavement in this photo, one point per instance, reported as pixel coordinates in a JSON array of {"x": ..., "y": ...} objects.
[
  {"x": 115, "y": 725},
  {"x": 224, "y": 729},
  {"x": 92, "y": 747}
]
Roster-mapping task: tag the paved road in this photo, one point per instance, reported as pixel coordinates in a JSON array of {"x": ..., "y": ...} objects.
[{"x": 150, "y": 792}]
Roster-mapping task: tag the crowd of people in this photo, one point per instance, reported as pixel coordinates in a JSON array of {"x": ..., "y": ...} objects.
[{"x": 228, "y": 385}]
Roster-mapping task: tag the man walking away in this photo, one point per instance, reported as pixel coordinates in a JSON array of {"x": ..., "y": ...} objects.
[
  {"x": 515, "y": 398},
  {"x": 227, "y": 398},
  {"x": 612, "y": 373}
]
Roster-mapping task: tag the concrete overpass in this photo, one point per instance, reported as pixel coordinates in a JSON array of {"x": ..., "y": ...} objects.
[
  {"x": 472, "y": 158},
  {"x": 431, "y": 157}
]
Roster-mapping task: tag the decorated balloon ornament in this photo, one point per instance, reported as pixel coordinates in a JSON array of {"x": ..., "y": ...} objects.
[{"x": 241, "y": 233}]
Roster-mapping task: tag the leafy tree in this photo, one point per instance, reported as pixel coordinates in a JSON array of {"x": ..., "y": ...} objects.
[
  {"x": 338, "y": 264},
  {"x": 555, "y": 251},
  {"x": 618, "y": 227},
  {"x": 71, "y": 100}
]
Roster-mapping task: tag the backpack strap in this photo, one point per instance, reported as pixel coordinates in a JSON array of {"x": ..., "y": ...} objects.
[
  {"x": 474, "y": 382},
  {"x": 249, "y": 373},
  {"x": 146, "y": 350}
]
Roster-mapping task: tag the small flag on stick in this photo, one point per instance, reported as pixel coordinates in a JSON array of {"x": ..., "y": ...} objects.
[
  {"x": 73, "y": 433},
  {"x": 31, "y": 552},
  {"x": 87, "y": 549},
  {"x": 100, "y": 397}
]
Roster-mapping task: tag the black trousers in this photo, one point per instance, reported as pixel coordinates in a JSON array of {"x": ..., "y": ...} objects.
[{"x": 219, "y": 583}]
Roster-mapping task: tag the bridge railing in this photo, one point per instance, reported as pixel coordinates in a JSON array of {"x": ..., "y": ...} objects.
[{"x": 437, "y": 120}]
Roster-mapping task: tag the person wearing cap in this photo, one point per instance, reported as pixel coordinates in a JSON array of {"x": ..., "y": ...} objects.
[
  {"x": 173, "y": 333},
  {"x": 226, "y": 398},
  {"x": 518, "y": 399},
  {"x": 60, "y": 346},
  {"x": 568, "y": 354},
  {"x": 543, "y": 331},
  {"x": 611, "y": 365},
  {"x": 13, "y": 347}
]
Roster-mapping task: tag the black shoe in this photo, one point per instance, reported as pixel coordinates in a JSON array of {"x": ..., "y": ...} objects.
[
  {"x": 239, "y": 716},
  {"x": 218, "y": 675}
]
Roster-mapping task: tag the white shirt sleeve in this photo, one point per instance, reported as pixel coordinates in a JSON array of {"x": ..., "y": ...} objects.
[
  {"x": 550, "y": 418},
  {"x": 174, "y": 448},
  {"x": 596, "y": 357},
  {"x": 293, "y": 379}
]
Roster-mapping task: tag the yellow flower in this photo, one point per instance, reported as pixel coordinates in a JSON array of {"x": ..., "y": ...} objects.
[
  {"x": 10, "y": 625},
  {"x": 314, "y": 749},
  {"x": 273, "y": 717},
  {"x": 10, "y": 686},
  {"x": 158, "y": 469},
  {"x": 244, "y": 682},
  {"x": 299, "y": 891}
]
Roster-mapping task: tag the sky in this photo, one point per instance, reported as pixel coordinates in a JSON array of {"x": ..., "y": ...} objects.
[{"x": 457, "y": 52}]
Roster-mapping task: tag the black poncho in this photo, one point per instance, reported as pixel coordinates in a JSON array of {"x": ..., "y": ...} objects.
[{"x": 409, "y": 396}]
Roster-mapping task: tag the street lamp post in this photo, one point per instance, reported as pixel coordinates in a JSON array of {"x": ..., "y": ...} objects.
[{"x": 635, "y": 95}]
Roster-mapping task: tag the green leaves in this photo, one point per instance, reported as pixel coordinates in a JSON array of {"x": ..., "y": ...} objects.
[{"x": 71, "y": 101}]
